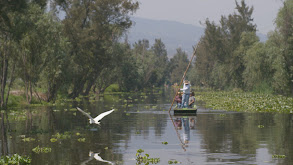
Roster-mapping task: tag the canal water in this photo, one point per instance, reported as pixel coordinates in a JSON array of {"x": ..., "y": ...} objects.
[{"x": 61, "y": 135}]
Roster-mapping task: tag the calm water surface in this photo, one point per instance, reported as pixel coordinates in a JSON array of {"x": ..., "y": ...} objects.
[{"x": 142, "y": 121}]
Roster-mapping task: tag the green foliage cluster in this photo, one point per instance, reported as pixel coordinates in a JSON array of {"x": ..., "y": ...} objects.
[
  {"x": 173, "y": 162},
  {"x": 245, "y": 101},
  {"x": 230, "y": 54},
  {"x": 15, "y": 159},
  {"x": 66, "y": 135},
  {"x": 145, "y": 159},
  {"x": 278, "y": 156},
  {"x": 39, "y": 149}
]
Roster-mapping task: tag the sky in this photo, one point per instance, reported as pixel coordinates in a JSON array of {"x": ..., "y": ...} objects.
[{"x": 196, "y": 11}]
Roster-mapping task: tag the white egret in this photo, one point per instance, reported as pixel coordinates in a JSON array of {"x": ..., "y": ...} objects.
[
  {"x": 96, "y": 119},
  {"x": 98, "y": 158}
]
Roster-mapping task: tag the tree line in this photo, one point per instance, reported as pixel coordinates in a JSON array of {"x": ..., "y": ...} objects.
[
  {"x": 230, "y": 55},
  {"x": 78, "y": 54}
]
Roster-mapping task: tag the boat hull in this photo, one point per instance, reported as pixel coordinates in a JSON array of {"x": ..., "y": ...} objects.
[{"x": 185, "y": 111}]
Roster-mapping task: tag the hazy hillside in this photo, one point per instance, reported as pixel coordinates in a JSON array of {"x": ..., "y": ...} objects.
[{"x": 173, "y": 34}]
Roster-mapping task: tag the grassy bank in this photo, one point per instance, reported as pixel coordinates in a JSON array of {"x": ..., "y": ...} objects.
[{"x": 244, "y": 101}]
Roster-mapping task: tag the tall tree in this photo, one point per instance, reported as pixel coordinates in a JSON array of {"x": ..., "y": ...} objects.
[
  {"x": 178, "y": 66},
  {"x": 9, "y": 36},
  {"x": 91, "y": 26},
  {"x": 161, "y": 63},
  {"x": 284, "y": 23},
  {"x": 221, "y": 63},
  {"x": 40, "y": 44}
]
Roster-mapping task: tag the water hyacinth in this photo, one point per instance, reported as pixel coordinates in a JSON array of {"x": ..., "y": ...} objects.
[
  {"x": 39, "y": 149},
  {"x": 245, "y": 102},
  {"x": 15, "y": 159}
]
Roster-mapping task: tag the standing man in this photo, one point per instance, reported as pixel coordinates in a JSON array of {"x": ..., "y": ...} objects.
[{"x": 186, "y": 93}]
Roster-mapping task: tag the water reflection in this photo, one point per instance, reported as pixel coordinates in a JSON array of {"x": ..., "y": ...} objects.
[
  {"x": 187, "y": 123},
  {"x": 4, "y": 143}
]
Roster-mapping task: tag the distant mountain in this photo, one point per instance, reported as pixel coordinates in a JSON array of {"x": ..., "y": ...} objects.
[{"x": 173, "y": 34}]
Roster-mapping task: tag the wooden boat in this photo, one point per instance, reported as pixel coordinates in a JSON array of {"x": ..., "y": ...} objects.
[{"x": 185, "y": 111}]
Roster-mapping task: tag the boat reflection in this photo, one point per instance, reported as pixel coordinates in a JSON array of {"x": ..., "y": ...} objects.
[
  {"x": 183, "y": 124},
  {"x": 187, "y": 123}
]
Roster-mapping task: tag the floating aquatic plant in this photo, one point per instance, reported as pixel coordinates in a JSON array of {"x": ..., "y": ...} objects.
[
  {"x": 28, "y": 139},
  {"x": 53, "y": 140},
  {"x": 260, "y": 126},
  {"x": 165, "y": 143},
  {"x": 145, "y": 159},
  {"x": 278, "y": 156},
  {"x": 66, "y": 135},
  {"x": 39, "y": 149},
  {"x": 244, "y": 101},
  {"x": 173, "y": 162},
  {"x": 15, "y": 159},
  {"x": 81, "y": 139}
]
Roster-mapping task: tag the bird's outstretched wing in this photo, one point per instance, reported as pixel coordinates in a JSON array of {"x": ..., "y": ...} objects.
[
  {"x": 103, "y": 115},
  {"x": 84, "y": 113},
  {"x": 97, "y": 157}
]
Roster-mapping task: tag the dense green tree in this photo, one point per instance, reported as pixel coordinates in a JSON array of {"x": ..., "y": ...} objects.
[
  {"x": 257, "y": 67},
  {"x": 219, "y": 62},
  {"x": 178, "y": 65},
  {"x": 284, "y": 22},
  {"x": 161, "y": 63},
  {"x": 145, "y": 62},
  {"x": 128, "y": 76},
  {"x": 91, "y": 26},
  {"x": 41, "y": 43},
  {"x": 239, "y": 61}
]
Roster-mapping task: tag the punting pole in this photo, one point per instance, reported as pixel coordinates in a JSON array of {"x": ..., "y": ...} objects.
[{"x": 194, "y": 52}]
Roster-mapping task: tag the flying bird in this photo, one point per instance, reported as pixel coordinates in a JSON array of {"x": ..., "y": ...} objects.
[
  {"x": 97, "y": 157},
  {"x": 96, "y": 119}
]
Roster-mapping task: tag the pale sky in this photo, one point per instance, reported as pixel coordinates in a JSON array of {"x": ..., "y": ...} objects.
[{"x": 194, "y": 11}]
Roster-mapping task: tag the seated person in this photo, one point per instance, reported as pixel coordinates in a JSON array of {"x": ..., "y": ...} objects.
[
  {"x": 191, "y": 100},
  {"x": 178, "y": 99}
]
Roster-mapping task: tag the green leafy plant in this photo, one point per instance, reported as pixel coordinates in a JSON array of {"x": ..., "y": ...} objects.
[
  {"x": 278, "y": 156},
  {"x": 53, "y": 140},
  {"x": 260, "y": 126},
  {"x": 28, "y": 139},
  {"x": 66, "y": 135},
  {"x": 39, "y": 149},
  {"x": 15, "y": 159},
  {"x": 165, "y": 143},
  {"x": 140, "y": 159},
  {"x": 81, "y": 139},
  {"x": 173, "y": 162}
]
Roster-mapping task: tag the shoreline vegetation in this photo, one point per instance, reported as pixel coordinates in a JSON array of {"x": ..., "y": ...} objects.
[
  {"x": 240, "y": 101},
  {"x": 233, "y": 100}
]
